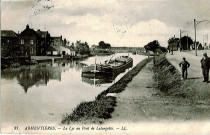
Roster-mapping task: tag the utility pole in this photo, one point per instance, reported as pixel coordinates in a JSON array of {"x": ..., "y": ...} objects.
[
  {"x": 207, "y": 40},
  {"x": 172, "y": 50},
  {"x": 180, "y": 40},
  {"x": 203, "y": 42},
  {"x": 195, "y": 38}
]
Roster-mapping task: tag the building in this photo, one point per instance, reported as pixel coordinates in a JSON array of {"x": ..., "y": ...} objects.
[
  {"x": 34, "y": 42},
  {"x": 44, "y": 42},
  {"x": 52, "y": 51},
  {"x": 200, "y": 47},
  {"x": 173, "y": 46},
  {"x": 59, "y": 46},
  {"x": 9, "y": 43},
  {"x": 30, "y": 40}
]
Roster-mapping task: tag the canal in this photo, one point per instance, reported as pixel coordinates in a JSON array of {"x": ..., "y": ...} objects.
[{"x": 41, "y": 94}]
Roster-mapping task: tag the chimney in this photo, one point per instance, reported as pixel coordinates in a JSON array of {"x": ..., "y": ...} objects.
[{"x": 27, "y": 26}]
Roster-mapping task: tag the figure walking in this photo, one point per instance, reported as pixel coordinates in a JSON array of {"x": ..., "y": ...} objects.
[
  {"x": 205, "y": 65},
  {"x": 184, "y": 64}
]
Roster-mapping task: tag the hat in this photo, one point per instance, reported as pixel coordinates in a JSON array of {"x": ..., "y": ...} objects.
[
  {"x": 205, "y": 54},
  {"x": 183, "y": 58}
]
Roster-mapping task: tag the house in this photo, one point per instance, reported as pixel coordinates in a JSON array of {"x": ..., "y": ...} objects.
[
  {"x": 55, "y": 43},
  {"x": 51, "y": 51},
  {"x": 173, "y": 46},
  {"x": 9, "y": 44},
  {"x": 44, "y": 41},
  {"x": 72, "y": 52},
  {"x": 30, "y": 40},
  {"x": 64, "y": 50},
  {"x": 58, "y": 46},
  {"x": 200, "y": 47}
]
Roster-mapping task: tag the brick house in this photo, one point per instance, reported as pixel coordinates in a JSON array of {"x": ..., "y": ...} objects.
[
  {"x": 29, "y": 39},
  {"x": 44, "y": 42},
  {"x": 9, "y": 43}
]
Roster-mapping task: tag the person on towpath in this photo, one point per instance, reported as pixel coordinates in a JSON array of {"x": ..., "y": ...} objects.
[
  {"x": 184, "y": 64},
  {"x": 205, "y": 65}
]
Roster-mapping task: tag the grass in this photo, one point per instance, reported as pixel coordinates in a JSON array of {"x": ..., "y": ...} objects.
[
  {"x": 166, "y": 76},
  {"x": 101, "y": 108}
]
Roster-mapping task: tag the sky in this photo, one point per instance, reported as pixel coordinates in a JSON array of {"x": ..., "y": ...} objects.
[{"x": 131, "y": 23}]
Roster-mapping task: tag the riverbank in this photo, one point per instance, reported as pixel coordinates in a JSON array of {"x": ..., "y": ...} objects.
[
  {"x": 162, "y": 96},
  {"x": 101, "y": 108},
  {"x": 33, "y": 60},
  {"x": 157, "y": 93}
]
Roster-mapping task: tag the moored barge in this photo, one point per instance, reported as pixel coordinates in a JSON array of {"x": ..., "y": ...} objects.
[{"x": 111, "y": 67}]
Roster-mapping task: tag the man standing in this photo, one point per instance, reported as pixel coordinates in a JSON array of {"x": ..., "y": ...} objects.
[
  {"x": 205, "y": 65},
  {"x": 184, "y": 64}
]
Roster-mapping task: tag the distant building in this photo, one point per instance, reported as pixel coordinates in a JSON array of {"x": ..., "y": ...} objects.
[
  {"x": 55, "y": 43},
  {"x": 72, "y": 52},
  {"x": 59, "y": 46},
  {"x": 173, "y": 46},
  {"x": 9, "y": 43},
  {"x": 200, "y": 47}
]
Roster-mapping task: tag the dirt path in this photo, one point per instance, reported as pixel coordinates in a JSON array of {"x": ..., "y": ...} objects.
[
  {"x": 141, "y": 102},
  {"x": 194, "y": 83}
]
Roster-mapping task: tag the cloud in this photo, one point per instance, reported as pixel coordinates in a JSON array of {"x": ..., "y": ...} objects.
[{"x": 121, "y": 23}]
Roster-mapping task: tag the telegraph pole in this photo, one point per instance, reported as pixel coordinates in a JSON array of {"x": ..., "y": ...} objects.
[
  {"x": 195, "y": 38},
  {"x": 207, "y": 40},
  {"x": 180, "y": 40},
  {"x": 172, "y": 50}
]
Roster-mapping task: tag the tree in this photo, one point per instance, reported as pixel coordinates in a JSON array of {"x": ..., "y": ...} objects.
[
  {"x": 152, "y": 46},
  {"x": 186, "y": 42},
  {"x": 82, "y": 48},
  {"x": 72, "y": 46},
  {"x": 172, "y": 40},
  {"x": 104, "y": 45},
  {"x": 65, "y": 42}
]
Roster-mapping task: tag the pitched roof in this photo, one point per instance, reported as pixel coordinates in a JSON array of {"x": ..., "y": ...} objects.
[
  {"x": 8, "y": 33},
  {"x": 42, "y": 33},
  {"x": 29, "y": 32}
]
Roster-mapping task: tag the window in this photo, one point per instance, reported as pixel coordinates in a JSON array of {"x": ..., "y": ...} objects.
[
  {"x": 32, "y": 42},
  {"x": 31, "y": 52},
  {"x": 22, "y": 41}
]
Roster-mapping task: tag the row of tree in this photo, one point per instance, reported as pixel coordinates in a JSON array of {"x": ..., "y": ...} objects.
[
  {"x": 155, "y": 47},
  {"x": 83, "y": 47},
  {"x": 186, "y": 44}
]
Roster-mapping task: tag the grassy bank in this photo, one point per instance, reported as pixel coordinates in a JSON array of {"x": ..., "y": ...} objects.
[
  {"x": 101, "y": 108},
  {"x": 168, "y": 80},
  {"x": 166, "y": 76}
]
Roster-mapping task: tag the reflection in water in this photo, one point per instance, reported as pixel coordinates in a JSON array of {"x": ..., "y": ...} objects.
[
  {"x": 98, "y": 80},
  {"x": 39, "y": 74}
]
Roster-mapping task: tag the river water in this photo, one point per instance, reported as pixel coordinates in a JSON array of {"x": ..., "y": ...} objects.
[{"x": 41, "y": 94}]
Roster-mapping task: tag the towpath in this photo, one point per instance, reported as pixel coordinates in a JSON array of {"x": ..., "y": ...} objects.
[
  {"x": 195, "y": 77},
  {"x": 140, "y": 102}
]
